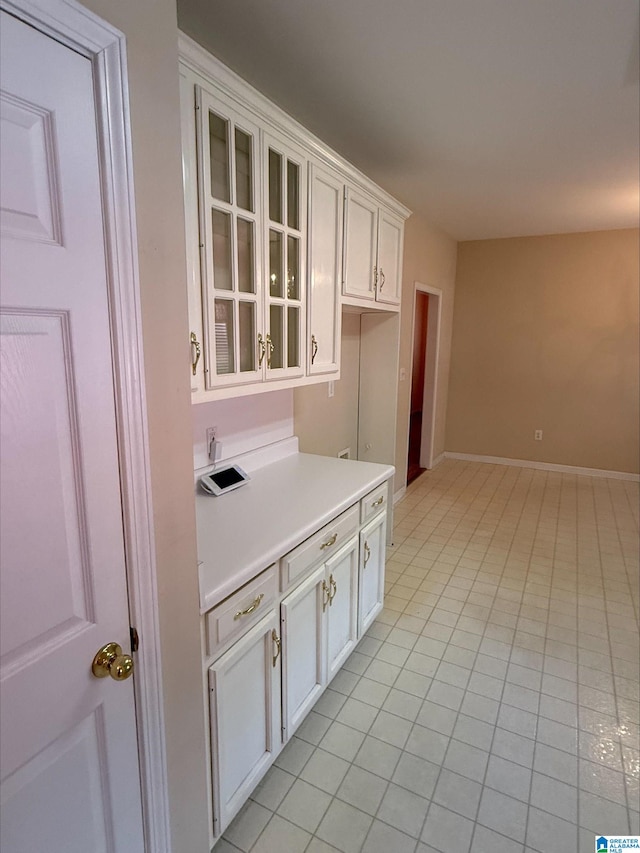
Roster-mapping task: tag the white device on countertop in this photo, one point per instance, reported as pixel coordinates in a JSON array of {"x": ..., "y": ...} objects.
[{"x": 224, "y": 480}]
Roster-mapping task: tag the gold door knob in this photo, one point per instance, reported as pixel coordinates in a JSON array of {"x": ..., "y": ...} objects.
[{"x": 110, "y": 661}]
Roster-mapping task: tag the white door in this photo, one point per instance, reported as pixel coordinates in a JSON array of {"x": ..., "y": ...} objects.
[
  {"x": 390, "y": 233},
  {"x": 342, "y": 625},
  {"x": 244, "y": 689},
  {"x": 69, "y": 770},
  {"x": 372, "y": 559},
  {"x": 303, "y": 631},
  {"x": 361, "y": 237},
  {"x": 325, "y": 268}
]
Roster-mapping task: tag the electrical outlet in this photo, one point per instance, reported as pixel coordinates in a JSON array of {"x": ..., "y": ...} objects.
[
  {"x": 211, "y": 435},
  {"x": 331, "y": 388},
  {"x": 403, "y": 374},
  {"x": 537, "y": 435}
]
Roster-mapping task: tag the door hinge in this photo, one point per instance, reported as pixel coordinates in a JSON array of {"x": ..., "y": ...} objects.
[{"x": 135, "y": 639}]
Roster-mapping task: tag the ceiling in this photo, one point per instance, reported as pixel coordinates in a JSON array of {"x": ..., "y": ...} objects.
[{"x": 490, "y": 118}]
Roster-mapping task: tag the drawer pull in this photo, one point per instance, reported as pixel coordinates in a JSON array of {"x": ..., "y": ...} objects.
[
  {"x": 378, "y": 502},
  {"x": 332, "y": 586},
  {"x": 276, "y": 640},
  {"x": 253, "y": 606},
  {"x": 367, "y": 553},
  {"x": 329, "y": 542}
]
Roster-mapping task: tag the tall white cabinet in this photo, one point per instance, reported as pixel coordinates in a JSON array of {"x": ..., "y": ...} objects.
[{"x": 281, "y": 233}]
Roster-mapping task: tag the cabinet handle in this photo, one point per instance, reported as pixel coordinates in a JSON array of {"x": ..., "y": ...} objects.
[
  {"x": 270, "y": 349},
  {"x": 378, "y": 502},
  {"x": 326, "y": 596},
  {"x": 367, "y": 553},
  {"x": 253, "y": 606},
  {"x": 375, "y": 278},
  {"x": 314, "y": 348},
  {"x": 262, "y": 350},
  {"x": 329, "y": 542},
  {"x": 276, "y": 640},
  {"x": 332, "y": 586},
  {"x": 195, "y": 357},
  {"x": 381, "y": 279}
]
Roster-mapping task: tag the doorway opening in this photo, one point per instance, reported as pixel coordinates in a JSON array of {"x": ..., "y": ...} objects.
[{"x": 427, "y": 305}]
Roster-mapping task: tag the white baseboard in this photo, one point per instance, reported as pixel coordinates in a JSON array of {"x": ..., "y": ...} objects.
[
  {"x": 437, "y": 461},
  {"x": 544, "y": 466},
  {"x": 399, "y": 494}
]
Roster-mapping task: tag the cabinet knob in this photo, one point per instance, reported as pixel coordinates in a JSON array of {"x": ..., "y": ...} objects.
[
  {"x": 333, "y": 588},
  {"x": 195, "y": 350},
  {"x": 276, "y": 641},
  {"x": 378, "y": 502},
  {"x": 262, "y": 350}
]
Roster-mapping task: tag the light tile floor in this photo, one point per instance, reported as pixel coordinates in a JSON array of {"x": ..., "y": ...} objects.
[{"x": 493, "y": 706}]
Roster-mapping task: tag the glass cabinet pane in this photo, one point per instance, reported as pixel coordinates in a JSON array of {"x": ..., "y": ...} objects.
[
  {"x": 246, "y": 277},
  {"x": 221, "y": 232},
  {"x": 225, "y": 362},
  {"x": 276, "y": 331},
  {"x": 219, "y": 157},
  {"x": 275, "y": 263},
  {"x": 244, "y": 169},
  {"x": 293, "y": 195},
  {"x": 293, "y": 268},
  {"x": 293, "y": 337},
  {"x": 275, "y": 186},
  {"x": 247, "y": 335}
]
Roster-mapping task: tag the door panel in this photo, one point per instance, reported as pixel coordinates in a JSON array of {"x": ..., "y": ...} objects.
[
  {"x": 69, "y": 746},
  {"x": 361, "y": 217},
  {"x": 303, "y": 656},
  {"x": 390, "y": 231},
  {"x": 245, "y": 725},
  {"x": 325, "y": 262},
  {"x": 372, "y": 560},
  {"x": 342, "y": 627}
]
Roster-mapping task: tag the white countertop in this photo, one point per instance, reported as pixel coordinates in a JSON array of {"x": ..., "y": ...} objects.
[{"x": 245, "y": 531}]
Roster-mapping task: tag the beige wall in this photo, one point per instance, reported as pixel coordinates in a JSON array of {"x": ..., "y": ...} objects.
[
  {"x": 430, "y": 258},
  {"x": 151, "y": 31},
  {"x": 327, "y": 425},
  {"x": 546, "y": 337}
]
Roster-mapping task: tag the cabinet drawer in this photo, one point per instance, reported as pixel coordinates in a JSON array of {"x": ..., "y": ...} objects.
[
  {"x": 320, "y": 546},
  {"x": 236, "y": 614},
  {"x": 374, "y": 502}
]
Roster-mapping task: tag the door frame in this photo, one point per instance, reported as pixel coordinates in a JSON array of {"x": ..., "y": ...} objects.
[
  {"x": 105, "y": 46},
  {"x": 431, "y": 364}
]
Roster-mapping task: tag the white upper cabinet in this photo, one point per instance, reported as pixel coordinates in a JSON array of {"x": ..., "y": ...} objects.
[
  {"x": 372, "y": 254},
  {"x": 231, "y": 262},
  {"x": 285, "y": 239},
  {"x": 265, "y": 233},
  {"x": 325, "y": 270}
]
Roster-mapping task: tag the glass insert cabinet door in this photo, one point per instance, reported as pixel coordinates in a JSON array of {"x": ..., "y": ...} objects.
[
  {"x": 285, "y": 211},
  {"x": 229, "y": 187}
]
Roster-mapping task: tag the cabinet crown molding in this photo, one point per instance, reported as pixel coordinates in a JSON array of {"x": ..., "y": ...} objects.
[{"x": 200, "y": 61}]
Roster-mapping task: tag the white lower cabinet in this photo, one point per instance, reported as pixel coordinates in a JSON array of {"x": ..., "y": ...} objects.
[
  {"x": 244, "y": 701},
  {"x": 263, "y": 686},
  {"x": 342, "y": 609},
  {"x": 319, "y": 631},
  {"x": 371, "y": 571},
  {"x": 303, "y": 663}
]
